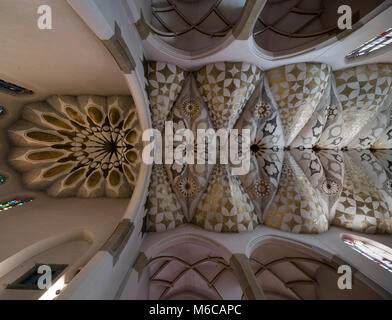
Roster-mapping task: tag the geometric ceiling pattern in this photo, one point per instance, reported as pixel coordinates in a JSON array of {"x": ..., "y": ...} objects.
[
  {"x": 320, "y": 148},
  {"x": 292, "y": 26},
  {"x": 85, "y": 146},
  {"x": 193, "y": 25}
]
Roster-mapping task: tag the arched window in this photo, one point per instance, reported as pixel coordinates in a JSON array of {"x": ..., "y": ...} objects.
[
  {"x": 372, "y": 250},
  {"x": 12, "y": 204}
]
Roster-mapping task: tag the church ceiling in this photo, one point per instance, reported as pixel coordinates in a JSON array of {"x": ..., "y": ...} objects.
[{"x": 320, "y": 148}]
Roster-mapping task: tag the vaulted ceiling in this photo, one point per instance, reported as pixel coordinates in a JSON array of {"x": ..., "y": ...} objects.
[
  {"x": 320, "y": 144},
  {"x": 80, "y": 135}
]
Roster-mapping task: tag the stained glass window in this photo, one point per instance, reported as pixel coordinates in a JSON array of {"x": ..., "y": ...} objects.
[
  {"x": 2, "y": 111},
  {"x": 12, "y": 204},
  {"x": 378, "y": 42},
  {"x": 12, "y": 88},
  {"x": 371, "y": 251},
  {"x": 3, "y": 179}
]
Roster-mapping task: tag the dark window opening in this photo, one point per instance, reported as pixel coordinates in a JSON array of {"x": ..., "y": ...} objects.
[{"x": 29, "y": 281}]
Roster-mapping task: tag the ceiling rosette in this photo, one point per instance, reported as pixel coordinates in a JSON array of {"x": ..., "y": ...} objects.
[{"x": 86, "y": 146}]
